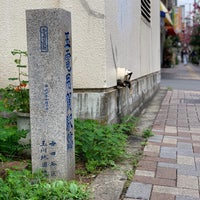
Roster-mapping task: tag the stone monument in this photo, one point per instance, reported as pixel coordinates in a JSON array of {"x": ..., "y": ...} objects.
[{"x": 51, "y": 91}]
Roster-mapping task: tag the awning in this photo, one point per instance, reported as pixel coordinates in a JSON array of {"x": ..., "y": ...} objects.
[
  {"x": 170, "y": 30},
  {"x": 163, "y": 9}
]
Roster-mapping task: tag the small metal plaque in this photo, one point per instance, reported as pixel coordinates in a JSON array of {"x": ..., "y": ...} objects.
[{"x": 44, "y": 39}]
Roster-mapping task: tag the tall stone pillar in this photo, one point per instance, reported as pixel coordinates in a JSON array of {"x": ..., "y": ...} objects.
[{"x": 51, "y": 91}]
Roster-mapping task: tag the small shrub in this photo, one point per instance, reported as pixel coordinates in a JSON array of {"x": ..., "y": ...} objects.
[
  {"x": 9, "y": 140},
  {"x": 99, "y": 145},
  {"x": 9, "y": 136},
  {"x": 16, "y": 95}
]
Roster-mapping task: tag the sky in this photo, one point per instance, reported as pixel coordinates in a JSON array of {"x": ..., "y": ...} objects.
[{"x": 188, "y": 5}]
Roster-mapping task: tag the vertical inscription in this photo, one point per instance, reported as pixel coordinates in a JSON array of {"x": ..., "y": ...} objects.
[
  {"x": 44, "y": 39},
  {"x": 46, "y": 97},
  {"x": 69, "y": 117},
  {"x": 47, "y": 157}
]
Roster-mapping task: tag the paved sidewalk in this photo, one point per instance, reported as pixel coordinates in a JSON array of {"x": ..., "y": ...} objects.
[{"x": 170, "y": 168}]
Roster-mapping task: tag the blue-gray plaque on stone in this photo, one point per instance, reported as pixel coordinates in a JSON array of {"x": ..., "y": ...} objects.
[{"x": 44, "y": 39}]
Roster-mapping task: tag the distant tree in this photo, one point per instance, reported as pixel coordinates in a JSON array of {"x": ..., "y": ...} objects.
[{"x": 195, "y": 32}]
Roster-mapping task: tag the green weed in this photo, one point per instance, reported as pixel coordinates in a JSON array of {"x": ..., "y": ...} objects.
[
  {"x": 147, "y": 133},
  {"x": 24, "y": 185},
  {"x": 99, "y": 145}
]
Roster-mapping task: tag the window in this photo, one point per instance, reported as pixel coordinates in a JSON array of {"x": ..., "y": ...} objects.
[{"x": 146, "y": 10}]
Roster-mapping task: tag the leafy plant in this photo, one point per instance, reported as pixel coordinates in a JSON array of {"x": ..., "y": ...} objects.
[
  {"x": 128, "y": 124},
  {"x": 16, "y": 96},
  {"x": 10, "y": 136},
  {"x": 100, "y": 145},
  {"x": 24, "y": 185},
  {"x": 129, "y": 174},
  {"x": 147, "y": 133},
  {"x": 9, "y": 139}
]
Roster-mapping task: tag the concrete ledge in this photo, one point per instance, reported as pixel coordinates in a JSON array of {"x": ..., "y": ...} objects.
[{"x": 111, "y": 104}]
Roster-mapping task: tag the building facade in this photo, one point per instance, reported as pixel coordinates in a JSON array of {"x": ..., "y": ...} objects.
[{"x": 110, "y": 38}]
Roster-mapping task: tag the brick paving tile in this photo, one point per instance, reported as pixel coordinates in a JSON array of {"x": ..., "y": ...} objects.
[
  {"x": 196, "y": 144},
  {"x": 151, "y": 154},
  {"x": 152, "y": 148},
  {"x": 139, "y": 172},
  {"x": 162, "y": 144},
  {"x": 185, "y": 160},
  {"x": 158, "y": 129},
  {"x": 196, "y": 130},
  {"x": 169, "y": 140},
  {"x": 184, "y": 134},
  {"x": 188, "y": 171},
  {"x": 166, "y": 173},
  {"x": 147, "y": 165},
  {"x": 170, "y": 129},
  {"x": 196, "y": 149},
  {"x": 170, "y": 134},
  {"x": 184, "y": 140},
  {"x": 139, "y": 191},
  {"x": 159, "y": 196},
  {"x": 171, "y": 123},
  {"x": 191, "y": 133},
  {"x": 183, "y": 145},
  {"x": 190, "y": 182},
  {"x": 156, "y": 139},
  {"x": 179, "y": 197},
  {"x": 168, "y": 152},
  {"x": 195, "y": 137},
  {"x": 176, "y": 191},
  {"x": 154, "y": 181},
  {"x": 159, "y": 159},
  {"x": 185, "y": 129}
]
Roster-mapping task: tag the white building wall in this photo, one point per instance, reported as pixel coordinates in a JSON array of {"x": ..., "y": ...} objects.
[
  {"x": 13, "y": 32},
  {"x": 130, "y": 42},
  {"x": 88, "y": 38},
  {"x": 106, "y": 34},
  {"x": 88, "y": 42}
]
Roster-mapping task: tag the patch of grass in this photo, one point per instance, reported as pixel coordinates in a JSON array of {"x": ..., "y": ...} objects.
[
  {"x": 136, "y": 159},
  {"x": 143, "y": 143},
  {"x": 147, "y": 133},
  {"x": 129, "y": 174},
  {"x": 169, "y": 88}
]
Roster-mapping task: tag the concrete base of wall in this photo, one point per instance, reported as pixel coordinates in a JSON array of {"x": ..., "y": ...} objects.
[{"x": 110, "y": 105}]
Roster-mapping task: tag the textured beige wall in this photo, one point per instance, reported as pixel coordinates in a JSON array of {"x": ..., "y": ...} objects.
[
  {"x": 88, "y": 42},
  {"x": 13, "y": 32},
  {"x": 105, "y": 34}
]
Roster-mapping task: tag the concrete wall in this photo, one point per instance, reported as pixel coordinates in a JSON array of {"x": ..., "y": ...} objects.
[{"x": 110, "y": 105}]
